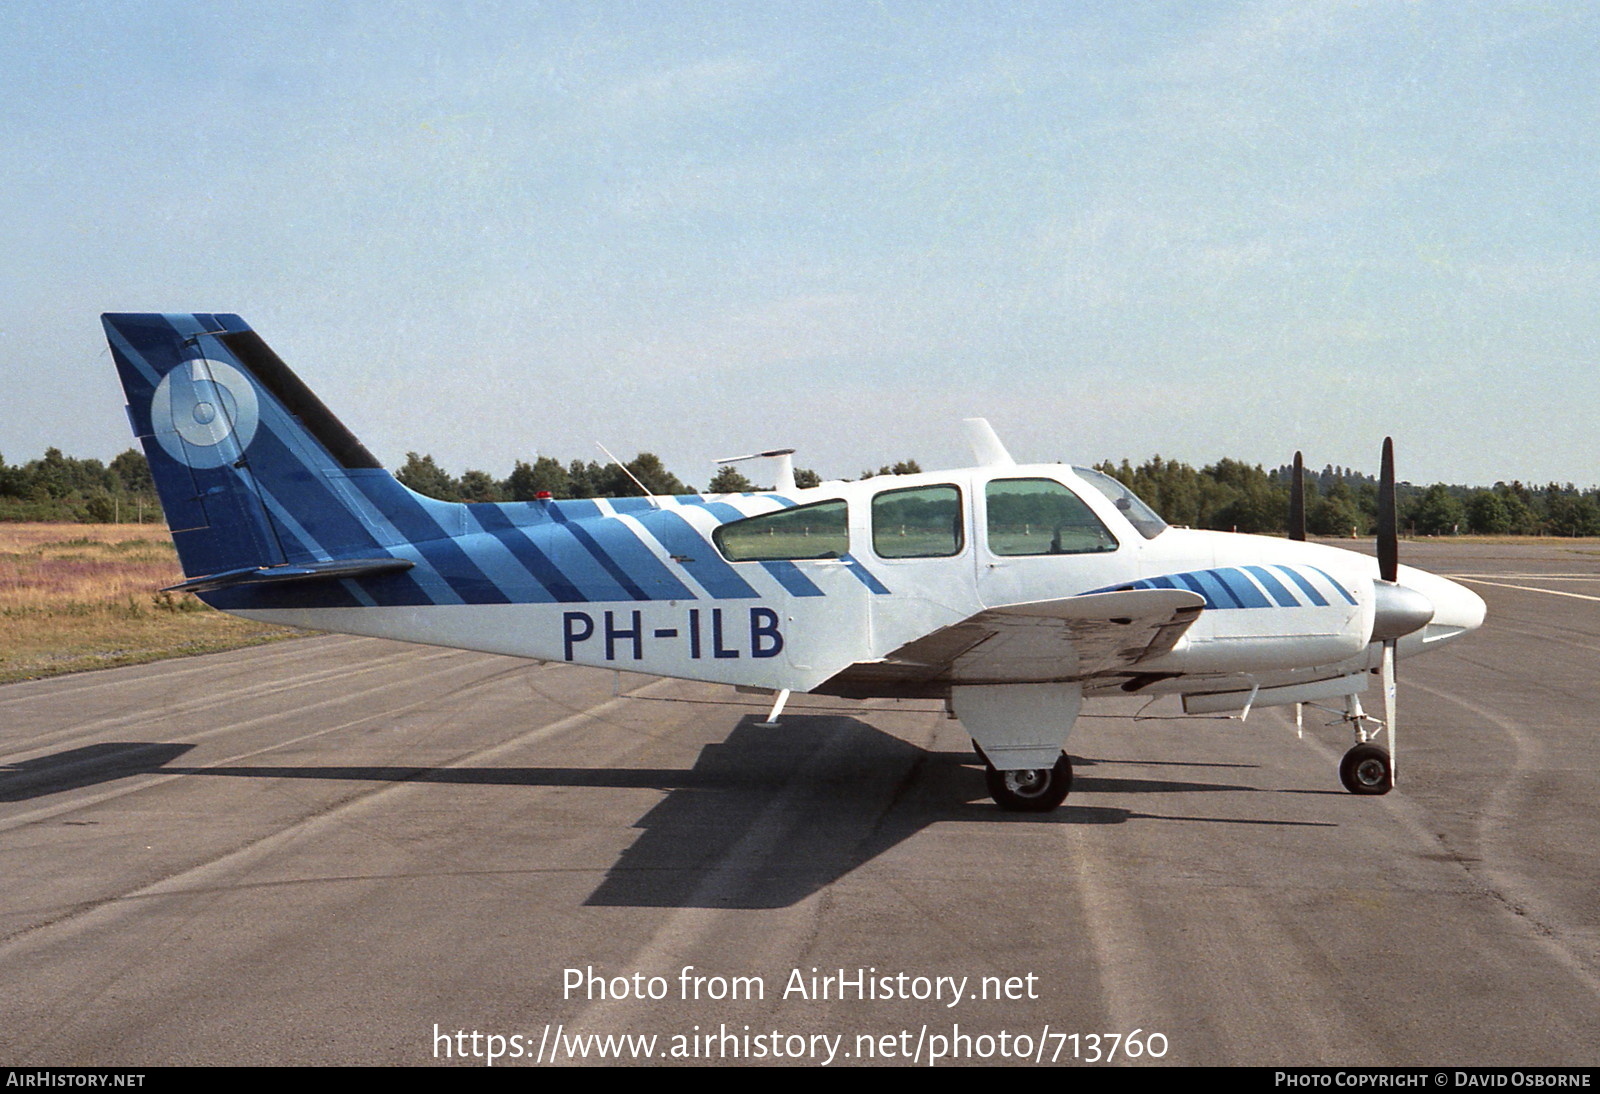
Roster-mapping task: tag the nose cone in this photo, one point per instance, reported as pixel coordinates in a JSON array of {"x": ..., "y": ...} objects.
[{"x": 1457, "y": 610}]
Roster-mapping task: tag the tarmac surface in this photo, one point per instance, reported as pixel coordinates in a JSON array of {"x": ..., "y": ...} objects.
[{"x": 349, "y": 851}]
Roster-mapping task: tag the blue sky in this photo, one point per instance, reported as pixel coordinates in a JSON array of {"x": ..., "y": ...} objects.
[{"x": 492, "y": 231}]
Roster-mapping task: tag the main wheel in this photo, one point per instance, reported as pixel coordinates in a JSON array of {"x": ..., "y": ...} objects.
[
  {"x": 1036, "y": 791},
  {"x": 1365, "y": 770}
]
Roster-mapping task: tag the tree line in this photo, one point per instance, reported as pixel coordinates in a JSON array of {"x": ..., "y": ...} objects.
[
  {"x": 1233, "y": 496},
  {"x": 61, "y": 487},
  {"x": 1228, "y": 495},
  {"x": 547, "y": 476}
]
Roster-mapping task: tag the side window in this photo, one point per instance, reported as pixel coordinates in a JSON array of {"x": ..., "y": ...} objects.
[
  {"x": 809, "y": 531},
  {"x": 919, "y": 522},
  {"x": 1042, "y": 517}
]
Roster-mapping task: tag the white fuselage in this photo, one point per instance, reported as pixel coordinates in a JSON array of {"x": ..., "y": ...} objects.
[{"x": 1278, "y": 612}]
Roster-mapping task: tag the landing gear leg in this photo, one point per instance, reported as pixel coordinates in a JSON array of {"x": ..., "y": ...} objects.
[
  {"x": 1020, "y": 733},
  {"x": 1033, "y": 791},
  {"x": 1366, "y": 768}
]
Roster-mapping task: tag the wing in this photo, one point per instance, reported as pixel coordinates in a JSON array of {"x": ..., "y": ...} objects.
[{"x": 1046, "y": 641}]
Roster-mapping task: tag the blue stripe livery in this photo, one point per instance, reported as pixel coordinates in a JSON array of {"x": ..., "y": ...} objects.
[
  {"x": 264, "y": 489},
  {"x": 1250, "y": 586}
]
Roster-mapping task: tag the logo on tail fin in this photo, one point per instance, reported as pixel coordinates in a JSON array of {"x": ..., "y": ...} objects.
[{"x": 199, "y": 405}]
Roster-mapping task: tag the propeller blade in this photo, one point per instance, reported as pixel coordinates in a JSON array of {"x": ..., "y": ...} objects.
[
  {"x": 1297, "y": 500},
  {"x": 1389, "y": 712},
  {"x": 1388, "y": 534}
]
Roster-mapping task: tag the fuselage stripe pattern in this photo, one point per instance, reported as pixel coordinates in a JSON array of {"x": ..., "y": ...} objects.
[{"x": 1245, "y": 587}]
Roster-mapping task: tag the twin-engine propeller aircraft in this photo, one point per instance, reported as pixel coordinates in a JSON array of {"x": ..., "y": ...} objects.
[{"x": 1014, "y": 592}]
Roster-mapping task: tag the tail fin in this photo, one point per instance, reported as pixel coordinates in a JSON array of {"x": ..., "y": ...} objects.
[{"x": 252, "y": 469}]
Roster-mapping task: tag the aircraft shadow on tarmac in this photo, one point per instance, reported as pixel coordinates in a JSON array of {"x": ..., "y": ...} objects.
[
  {"x": 775, "y": 816},
  {"x": 764, "y": 819},
  {"x": 78, "y": 768}
]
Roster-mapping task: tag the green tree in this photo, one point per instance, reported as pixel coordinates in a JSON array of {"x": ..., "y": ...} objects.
[
  {"x": 479, "y": 486},
  {"x": 587, "y": 479},
  {"x": 13, "y": 484},
  {"x": 133, "y": 472},
  {"x": 728, "y": 480},
  {"x": 1524, "y": 516},
  {"x": 612, "y": 481},
  {"x": 527, "y": 481},
  {"x": 1335, "y": 514},
  {"x": 1573, "y": 514},
  {"x": 648, "y": 469},
  {"x": 1254, "y": 501},
  {"x": 60, "y": 476},
  {"x": 100, "y": 508},
  {"x": 1488, "y": 513},
  {"x": 424, "y": 476},
  {"x": 1257, "y": 509},
  {"x": 1437, "y": 513},
  {"x": 1171, "y": 488},
  {"x": 900, "y": 467}
]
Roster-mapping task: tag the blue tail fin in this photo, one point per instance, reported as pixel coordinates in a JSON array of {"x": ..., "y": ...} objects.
[{"x": 253, "y": 471}]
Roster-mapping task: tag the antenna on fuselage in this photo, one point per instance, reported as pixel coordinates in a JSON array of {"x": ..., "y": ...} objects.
[
  {"x": 785, "y": 458},
  {"x": 654, "y": 501}
]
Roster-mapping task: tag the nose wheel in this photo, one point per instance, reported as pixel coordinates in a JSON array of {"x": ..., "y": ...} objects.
[
  {"x": 1037, "y": 790},
  {"x": 1365, "y": 769}
]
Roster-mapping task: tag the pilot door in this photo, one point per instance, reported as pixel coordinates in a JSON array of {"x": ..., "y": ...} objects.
[{"x": 1037, "y": 539}]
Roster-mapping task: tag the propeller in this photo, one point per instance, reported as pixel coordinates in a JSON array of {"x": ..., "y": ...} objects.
[
  {"x": 1396, "y": 612},
  {"x": 1297, "y": 531},
  {"x": 1388, "y": 535},
  {"x": 1395, "y": 603},
  {"x": 1297, "y": 500}
]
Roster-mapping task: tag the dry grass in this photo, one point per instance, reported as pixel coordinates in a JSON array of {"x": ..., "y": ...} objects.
[{"x": 81, "y": 596}]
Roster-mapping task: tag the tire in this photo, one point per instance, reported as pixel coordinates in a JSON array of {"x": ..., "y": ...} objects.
[
  {"x": 1365, "y": 770},
  {"x": 1036, "y": 791}
]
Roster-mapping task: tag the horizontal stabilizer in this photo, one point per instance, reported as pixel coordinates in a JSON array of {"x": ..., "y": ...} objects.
[{"x": 304, "y": 571}]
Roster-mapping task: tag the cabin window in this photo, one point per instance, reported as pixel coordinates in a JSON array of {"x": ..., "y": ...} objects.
[
  {"x": 806, "y": 531},
  {"x": 1042, "y": 517},
  {"x": 919, "y": 522}
]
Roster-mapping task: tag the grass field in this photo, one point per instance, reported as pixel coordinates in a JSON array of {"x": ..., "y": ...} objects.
[{"x": 84, "y": 596}]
